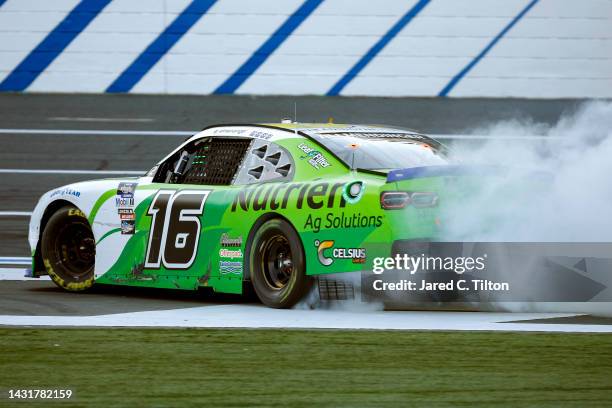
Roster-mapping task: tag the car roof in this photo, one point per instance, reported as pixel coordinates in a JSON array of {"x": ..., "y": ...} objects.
[
  {"x": 308, "y": 130},
  {"x": 316, "y": 132}
]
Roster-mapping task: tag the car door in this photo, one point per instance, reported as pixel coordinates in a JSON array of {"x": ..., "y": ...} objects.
[{"x": 186, "y": 201}]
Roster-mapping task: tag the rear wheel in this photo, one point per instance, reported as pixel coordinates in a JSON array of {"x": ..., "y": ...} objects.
[
  {"x": 69, "y": 249},
  {"x": 277, "y": 265}
]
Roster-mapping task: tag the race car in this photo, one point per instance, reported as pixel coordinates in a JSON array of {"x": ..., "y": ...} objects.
[{"x": 268, "y": 205}]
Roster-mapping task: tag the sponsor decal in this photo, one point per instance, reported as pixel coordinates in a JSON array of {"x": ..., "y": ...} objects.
[
  {"x": 353, "y": 192},
  {"x": 261, "y": 135},
  {"x": 66, "y": 191},
  {"x": 127, "y": 215},
  {"x": 315, "y": 157},
  {"x": 326, "y": 248},
  {"x": 77, "y": 212},
  {"x": 126, "y": 190},
  {"x": 333, "y": 221},
  {"x": 128, "y": 227},
  {"x": 226, "y": 241},
  {"x": 229, "y": 131},
  {"x": 234, "y": 267},
  {"x": 124, "y": 202},
  {"x": 230, "y": 253},
  {"x": 321, "y": 247},
  {"x": 276, "y": 196}
]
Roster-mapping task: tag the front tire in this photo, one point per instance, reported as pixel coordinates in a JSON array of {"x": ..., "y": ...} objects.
[
  {"x": 68, "y": 249},
  {"x": 277, "y": 264}
]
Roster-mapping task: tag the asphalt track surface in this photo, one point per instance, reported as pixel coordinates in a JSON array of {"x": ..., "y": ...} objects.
[{"x": 32, "y": 163}]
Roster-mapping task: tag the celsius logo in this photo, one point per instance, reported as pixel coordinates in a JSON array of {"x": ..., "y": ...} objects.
[
  {"x": 357, "y": 255},
  {"x": 322, "y": 246}
]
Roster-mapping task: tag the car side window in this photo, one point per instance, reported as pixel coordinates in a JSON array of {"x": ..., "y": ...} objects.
[
  {"x": 265, "y": 161},
  {"x": 210, "y": 161}
]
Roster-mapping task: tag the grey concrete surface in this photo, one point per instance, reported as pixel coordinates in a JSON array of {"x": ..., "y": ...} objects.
[
  {"x": 431, "y": 115},
  {"x": 43, "y": 298}
]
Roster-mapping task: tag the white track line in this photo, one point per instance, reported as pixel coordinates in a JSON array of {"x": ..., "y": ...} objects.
[
  {"x": 15, "y": 214},
  {"x": 54, "y": 171},
  {"x": 88, "y": 119},
  {"x": 255, "y": 316},
  {"x": 15, "y": 260},
  {"x": 100, "y": 132},
  {"x": 17, "y": 274},
  {"x": 97, "y": 132}
]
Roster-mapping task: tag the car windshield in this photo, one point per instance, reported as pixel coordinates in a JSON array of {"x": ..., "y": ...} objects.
[{"x": 385, "y": 153}]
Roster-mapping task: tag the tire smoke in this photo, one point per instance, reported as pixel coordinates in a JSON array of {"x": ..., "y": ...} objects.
[{"x": 555, "y": 188}]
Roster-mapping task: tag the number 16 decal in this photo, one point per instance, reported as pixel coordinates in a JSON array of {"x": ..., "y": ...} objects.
[{"x": 175, "y": 228}]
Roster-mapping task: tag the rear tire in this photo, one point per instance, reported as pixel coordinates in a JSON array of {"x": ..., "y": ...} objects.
[
  {"x": 68, "y": 249},
  {"x": 277, "y": 264}
]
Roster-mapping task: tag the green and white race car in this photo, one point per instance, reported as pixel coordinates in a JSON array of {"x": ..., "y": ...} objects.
[{"x": 271, "y": 206}]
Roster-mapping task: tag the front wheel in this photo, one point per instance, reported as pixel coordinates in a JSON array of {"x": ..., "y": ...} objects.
[
  {"x": 69, "y": 249},
  {"x": 277, "y": 265}
]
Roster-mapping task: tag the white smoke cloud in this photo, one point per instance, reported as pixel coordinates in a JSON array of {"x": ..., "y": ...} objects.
[{"x": 557, "y": 188}]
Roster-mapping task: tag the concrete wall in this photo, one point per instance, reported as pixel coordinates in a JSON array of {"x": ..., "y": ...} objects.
[{"x": 456, "y": 48}]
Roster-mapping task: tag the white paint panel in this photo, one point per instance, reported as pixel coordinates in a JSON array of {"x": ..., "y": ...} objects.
[
  {"x": 306, "y": 84},
  {"x": 562, "y": 28},
  {"x": 148, "y": 6},
  {"x": 37, "y": 5},
  {"x": 573, "y": 9},
  {"x": 25, "y": 21},
  {"x": 397, "y": 86},
  {"x": 262, "y": 7},
  {"x": 539, "y": 68},
  {"x": 473, "y": 8},
  {"x": 152, "y": 23},
  {"x": 88, "y": 82},
  {"x": 553, "y": 48},
  {"x": 9, "y": 60}
]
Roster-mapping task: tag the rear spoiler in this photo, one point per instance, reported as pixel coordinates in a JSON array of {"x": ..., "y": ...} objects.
[{"x": 440, "y": 171}]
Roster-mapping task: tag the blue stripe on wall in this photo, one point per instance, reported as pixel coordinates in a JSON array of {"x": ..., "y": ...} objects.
[
  {"x": 266, "y": 49},
  {"x": 160, "y": 46},
  {"x": 2, "y": 2},
  {"x": 453, "y": 82},
  {"x": 376, "y": 48},
  {"x": 53, "y": 45}
]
